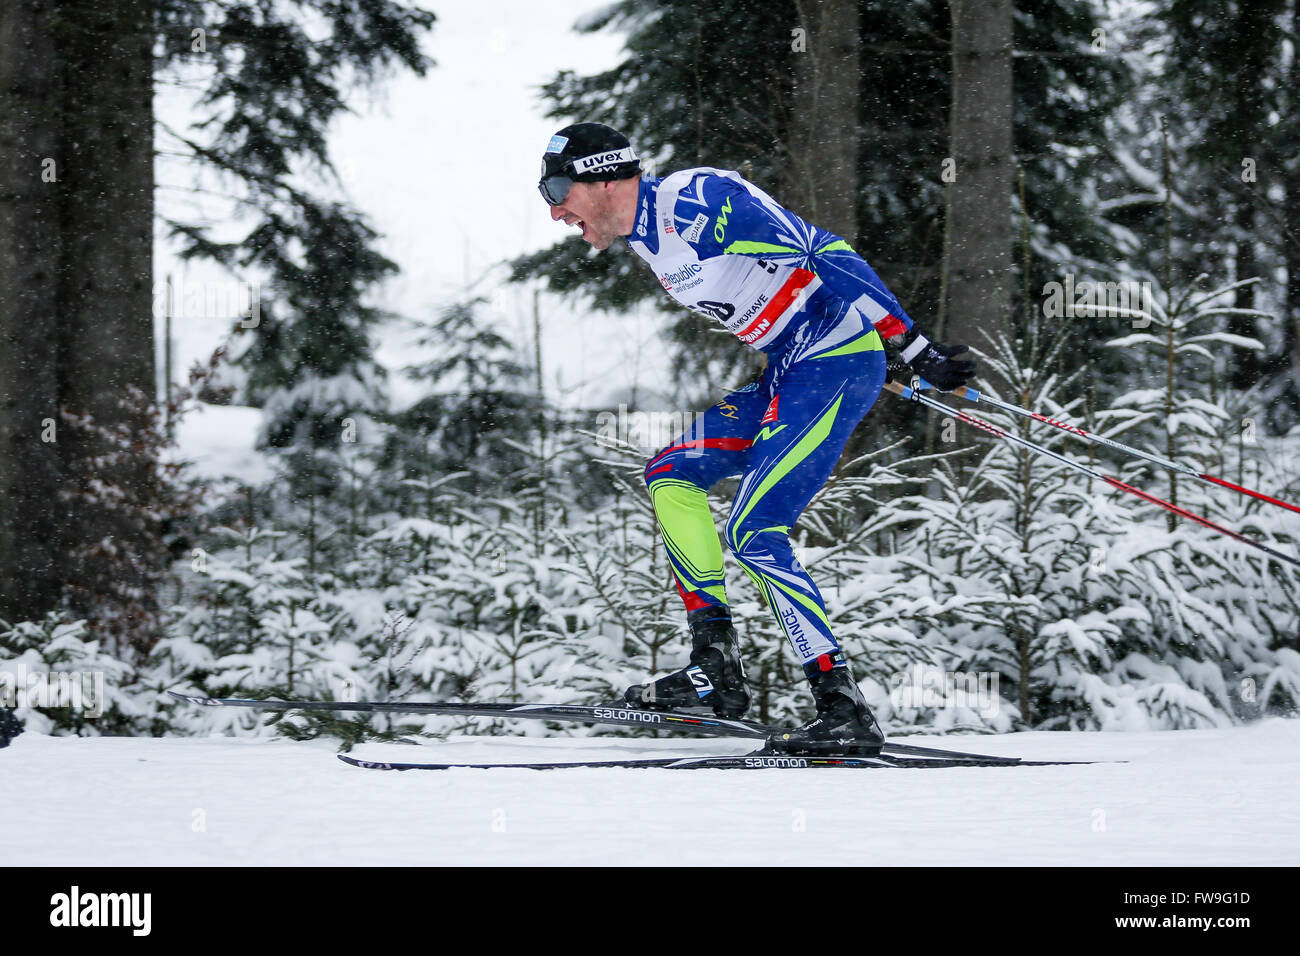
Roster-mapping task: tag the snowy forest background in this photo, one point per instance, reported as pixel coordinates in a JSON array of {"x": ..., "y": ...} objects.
[{"x": 487, "y": 539}]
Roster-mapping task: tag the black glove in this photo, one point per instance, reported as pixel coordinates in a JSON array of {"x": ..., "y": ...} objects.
[{"x": 943, "y": 366}]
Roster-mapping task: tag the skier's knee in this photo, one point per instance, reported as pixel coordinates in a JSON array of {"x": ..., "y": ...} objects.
[{"x": 745, "y": 535}]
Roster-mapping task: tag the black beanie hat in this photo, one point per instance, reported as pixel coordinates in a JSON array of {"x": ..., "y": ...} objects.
[{"x": 590, "y": 152}]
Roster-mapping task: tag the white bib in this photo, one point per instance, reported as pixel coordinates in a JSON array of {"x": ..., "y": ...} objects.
[{"x": 755, "y": 299}]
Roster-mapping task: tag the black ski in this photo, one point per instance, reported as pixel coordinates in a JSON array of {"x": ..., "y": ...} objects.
[
  {"x": 706, "y": 725},
  {"x": 757, "y": 760},
  {"x": 581, "y": 713}
]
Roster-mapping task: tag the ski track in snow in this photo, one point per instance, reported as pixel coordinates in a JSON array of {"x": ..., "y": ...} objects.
[{"x": 1204, "y": 797}]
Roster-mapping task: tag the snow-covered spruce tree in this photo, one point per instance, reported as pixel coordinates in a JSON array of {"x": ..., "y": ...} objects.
[
  {"x": 472, "y": 620},
  {"x": 1092, "y": 612},
  {"x": 269, "y": 90},
  {"x": 254, "y": 624},
  {"x": 382, "y": 575},
  {"x": 60, "y": 679},
  {"x": 1000, "y": 573},
  {"x": 1233, "y": 66},
  {"x": 479, "y": 407},
  {"x": 426, "y": 585},
  {"x": 1222, "y": 616},
  {"x": 129, "y": 487}
]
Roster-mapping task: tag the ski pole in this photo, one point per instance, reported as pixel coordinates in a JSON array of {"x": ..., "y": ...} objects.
[
  {"x": 974, "y": 395},
  {"x": 912, "y": 394}
]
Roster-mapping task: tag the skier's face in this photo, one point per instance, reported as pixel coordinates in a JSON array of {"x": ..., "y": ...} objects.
[{"x": 594, "y": 208}]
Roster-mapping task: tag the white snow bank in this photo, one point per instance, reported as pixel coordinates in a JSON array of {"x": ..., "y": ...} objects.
[
  {"x": 1205, "y": 797},
  {"x": 219, "y": 440}
]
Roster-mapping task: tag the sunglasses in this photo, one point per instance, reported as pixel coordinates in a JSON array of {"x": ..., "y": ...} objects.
[
  {"x": 555, "y": 188},
  {"x": 557, "y": 178}
]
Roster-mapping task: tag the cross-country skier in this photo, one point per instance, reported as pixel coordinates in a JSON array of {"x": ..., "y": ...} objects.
[{"x": 723, "y": 247}]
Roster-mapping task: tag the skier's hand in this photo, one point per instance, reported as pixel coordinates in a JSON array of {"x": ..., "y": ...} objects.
[{"x": 944, "y": 366}]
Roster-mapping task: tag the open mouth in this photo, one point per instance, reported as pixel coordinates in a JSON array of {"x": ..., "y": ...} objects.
[{"x": 579, "y": 224}]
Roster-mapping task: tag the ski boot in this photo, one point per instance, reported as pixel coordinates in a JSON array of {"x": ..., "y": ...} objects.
[
  {"x": 714, "y": 682},
  {"x": 844, "y": 724}
]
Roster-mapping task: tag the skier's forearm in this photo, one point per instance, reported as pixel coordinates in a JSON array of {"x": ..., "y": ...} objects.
[{"x": 848, "y": 275}]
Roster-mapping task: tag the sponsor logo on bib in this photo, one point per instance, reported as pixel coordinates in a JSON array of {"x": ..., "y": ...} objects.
[
  {"x": 721, "y": 311},
  {"x": 682, "y": 277},
  {"x": 692, "y": 233},
  {"x": 757, "y": 332},
  {"x": 754, "y": 307}
]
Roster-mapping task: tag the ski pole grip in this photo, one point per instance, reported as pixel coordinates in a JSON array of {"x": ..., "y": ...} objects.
[
  {"x": 970, "y": 394},
  {"x": 898, "y": 388}
]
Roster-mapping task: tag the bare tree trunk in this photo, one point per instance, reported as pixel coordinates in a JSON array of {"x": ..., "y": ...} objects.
[
  {"x": 1291, "y": 241},
  {"x": 107, "y": 185},
  {"x": 823, "y": 182},
  {"x": 76, "y": 267},
  {"x": 30, "y": 253},
  {"x": 977, "y": 242},
  {"x": 1249, "y": 108}
]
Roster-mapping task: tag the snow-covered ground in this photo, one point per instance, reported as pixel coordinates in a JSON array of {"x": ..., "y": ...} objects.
[
  {"x": 1205, "y": 797},
  {"x": 219, "y": 440}
]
